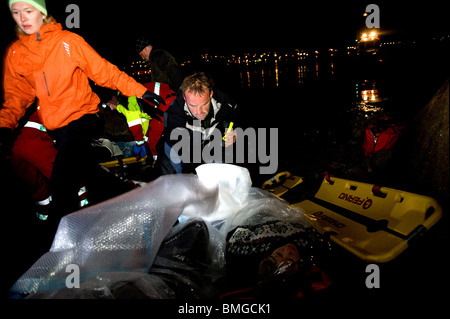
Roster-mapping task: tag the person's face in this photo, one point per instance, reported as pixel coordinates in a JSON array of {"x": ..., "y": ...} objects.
[
  {"x": 199, "y": 105},
  {"x": 112, "y": 103},
  {"x": 285, "y": 259},
  {"x": 286, "y": 253},
  {"x": 27, "y": 17},
  {"x": 145, "y": 53}
]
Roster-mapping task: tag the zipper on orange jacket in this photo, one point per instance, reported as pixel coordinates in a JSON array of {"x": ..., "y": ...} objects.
[{"x": 46, "y": 85}]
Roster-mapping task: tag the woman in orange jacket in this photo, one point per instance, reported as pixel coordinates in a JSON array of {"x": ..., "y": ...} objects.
[{"x": 53, "y": 66}]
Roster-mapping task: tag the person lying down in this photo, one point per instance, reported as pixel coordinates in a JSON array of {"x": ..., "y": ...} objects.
[{"x": 221, "y": 239}]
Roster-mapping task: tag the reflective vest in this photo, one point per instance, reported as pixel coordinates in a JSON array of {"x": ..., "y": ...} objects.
[{"x": 137, "y": 120}]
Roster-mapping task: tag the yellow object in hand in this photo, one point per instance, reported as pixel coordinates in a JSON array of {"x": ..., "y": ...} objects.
[{"x": 228, "y": 130}]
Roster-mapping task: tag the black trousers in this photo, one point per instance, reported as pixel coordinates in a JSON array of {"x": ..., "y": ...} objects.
[{"x": 74, "y": 164}]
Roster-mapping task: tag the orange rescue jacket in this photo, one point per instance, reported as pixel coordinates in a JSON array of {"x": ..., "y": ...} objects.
[{"x": 54, "y": 65}]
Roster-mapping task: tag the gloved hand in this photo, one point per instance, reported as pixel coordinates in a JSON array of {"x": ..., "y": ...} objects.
[
  {"x": 139, "y": 151},
  {"x": 151, "y": 109},
  {"x": 6, "y": 139},
  {"x": 153, "y": 98}
]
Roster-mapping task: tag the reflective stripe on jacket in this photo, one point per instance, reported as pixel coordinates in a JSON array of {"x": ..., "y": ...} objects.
[{"x": 137, "y": 120}]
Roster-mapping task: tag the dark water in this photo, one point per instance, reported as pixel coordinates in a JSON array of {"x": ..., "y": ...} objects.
[
  {"x": 314, "y": 103},
  {"x": 311, "y": 96}
]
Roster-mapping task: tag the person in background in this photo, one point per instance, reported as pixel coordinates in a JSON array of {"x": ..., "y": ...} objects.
[
  {"x": 53, "y": 66},
  {"x": 147, "y": 123},
  {"x": 163, "y": 65},
  {"x": 32, "y": 157}
]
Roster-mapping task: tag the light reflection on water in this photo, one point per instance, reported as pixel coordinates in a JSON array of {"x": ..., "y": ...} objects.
[
  {"x": 272, "y": 69},
  {"x": 300, "y": 71},
  {"x": 307, "y": 92},
  {"x": 315, "y": 100},
  {"x": 321, "y": 102}
]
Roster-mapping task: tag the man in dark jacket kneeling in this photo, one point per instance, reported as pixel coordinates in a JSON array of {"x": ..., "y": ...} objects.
[{"x": 199, "y": 126}]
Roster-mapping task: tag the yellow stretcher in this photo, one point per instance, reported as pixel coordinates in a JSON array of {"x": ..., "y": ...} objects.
[
  {"x": 374, "y": 223},
  {"x": 125, "y": 161},
  {"x": 281, "y": 183}
]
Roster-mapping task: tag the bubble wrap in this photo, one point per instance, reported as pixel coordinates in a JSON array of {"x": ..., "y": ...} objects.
[
  {"x": 115, "y": 243},
  {"x": 121, "y": 234}
]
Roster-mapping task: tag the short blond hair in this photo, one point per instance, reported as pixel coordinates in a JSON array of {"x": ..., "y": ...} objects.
[{"x": 197, "y": 83}]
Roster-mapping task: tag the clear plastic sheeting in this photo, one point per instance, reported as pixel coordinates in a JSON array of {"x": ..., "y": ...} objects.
[
  {"x": 232, "y": 184},
  {"x": 164, "y": 240}
]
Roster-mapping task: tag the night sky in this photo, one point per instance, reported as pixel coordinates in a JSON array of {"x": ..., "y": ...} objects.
[{"x": 182, "y": 28}]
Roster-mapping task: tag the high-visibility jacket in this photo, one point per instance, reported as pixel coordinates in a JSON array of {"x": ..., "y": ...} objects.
[
  {"x": 143, "y": 126},
  {"x": 156, "y": 127},
  {"x": 137, "y": 120},
  {"x": 54, "y": 65},
  {"x": 164, "y": 91}
]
